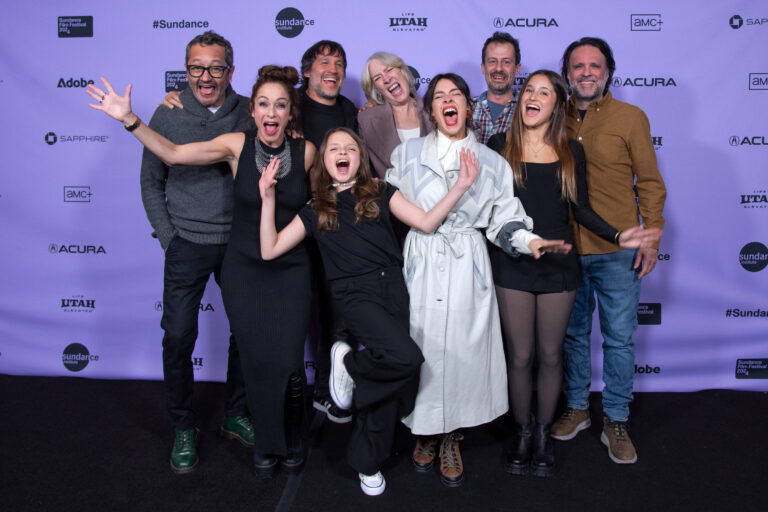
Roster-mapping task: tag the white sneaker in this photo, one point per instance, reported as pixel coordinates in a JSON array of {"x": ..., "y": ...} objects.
[
  {"x": 341, "y": 384},
  {"x": 373, "y": 485}
]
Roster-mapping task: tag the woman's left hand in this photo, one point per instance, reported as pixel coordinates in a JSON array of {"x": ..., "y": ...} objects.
[
  {"x": 267, "y": 181},
  {"x": 539, "y": 246}
]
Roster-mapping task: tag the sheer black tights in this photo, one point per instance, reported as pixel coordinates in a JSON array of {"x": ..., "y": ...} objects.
[{"x": 534, "y": 321}]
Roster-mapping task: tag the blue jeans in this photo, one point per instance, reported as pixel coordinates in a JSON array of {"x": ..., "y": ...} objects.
[{"x": 615, "y": 282}]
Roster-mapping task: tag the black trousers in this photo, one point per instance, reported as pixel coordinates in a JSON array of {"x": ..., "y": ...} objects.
[
  {"x": 187, "y": 268},
  {"x": 374, "y": 309}
]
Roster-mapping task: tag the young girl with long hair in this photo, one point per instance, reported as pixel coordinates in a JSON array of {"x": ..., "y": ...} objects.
[
  {"x": 536, "y": 295},
  {"x": 350, "y": 220}
]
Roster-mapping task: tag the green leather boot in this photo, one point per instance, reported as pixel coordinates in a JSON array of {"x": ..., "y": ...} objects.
[
  {"x": 184, "y": 454},
  {"x": 239, "y": 428}
]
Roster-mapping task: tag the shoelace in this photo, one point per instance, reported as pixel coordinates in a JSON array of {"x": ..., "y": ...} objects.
[
  {"x": 619, "y": 430},
  {"x": 448, "y": 447},
  {"x": 427, "y": 447},
  {"x": 185, "y": 438}
]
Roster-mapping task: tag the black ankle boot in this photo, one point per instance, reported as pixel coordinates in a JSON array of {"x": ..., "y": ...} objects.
[
  {"x": 265, "y": 465},
  {"x": 518, "y": 454},
  {"x": 294, "y": 414},
  {"x": 543, "y": 461}
]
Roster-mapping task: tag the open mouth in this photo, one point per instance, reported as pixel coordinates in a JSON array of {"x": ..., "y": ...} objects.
[
  {"x": 394, "y": 88},
  {"x": 271, "y": 128},
  {"x": 342, "y": 164},
  {"x": 532, "y": 110},
  {"x": 451, "y": 115},
  {"x": 331, "y": 80},
  {"x": 499, "y": 77}
]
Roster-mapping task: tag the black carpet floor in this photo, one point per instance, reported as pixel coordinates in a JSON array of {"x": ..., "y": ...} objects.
[{"x": 69, "y": 444}]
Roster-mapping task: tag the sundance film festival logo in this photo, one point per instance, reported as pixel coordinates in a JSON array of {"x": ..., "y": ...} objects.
[
  {"x": 76, "y": 357},
  {"x": 78, "y": 304},
  {"x": 736, "y": 22},
  {"x": 290, "y": 22},
  {"x": 51, "y": 138},
  {"x": 75, "y": 26},
  {"x": 77, "y": 194},
  {"x": 76, "y": 249},
  {"x": 753, "y": 257},
  {"x": 643, "y": 81},
  {"x": 408, "y": 22},
  {"x": 649, "y": 313},
  {"x": 757, "y": 199},
  {"x": 182, "y": 23},
  {"x": 175, "y": 81},
  {"x": 747, "y": 140},
  {"x": 645, "y": 22},
  {"x": 417, "y": 78},
  {"x": 758, "y": 81},
  {"x": 752, "y": 368}
]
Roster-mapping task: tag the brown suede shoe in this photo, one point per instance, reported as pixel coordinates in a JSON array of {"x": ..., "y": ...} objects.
[
  {"x": 570, "y": 423},
  {"x": 451, "y": 466},
  {"x": 616, "y": 437},
  {"x": 424, "y": 453}
]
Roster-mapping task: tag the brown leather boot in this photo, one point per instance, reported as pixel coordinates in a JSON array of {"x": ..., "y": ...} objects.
[
  {"x": 424, "y": 453},
  {"x": 451, "y": 466}
]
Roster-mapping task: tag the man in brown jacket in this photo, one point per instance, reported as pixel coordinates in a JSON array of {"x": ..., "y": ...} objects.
[{"x": 626, "y": 189}]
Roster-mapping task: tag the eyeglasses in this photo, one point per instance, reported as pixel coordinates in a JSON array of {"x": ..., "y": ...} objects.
[{"x": 213, "y": 71}]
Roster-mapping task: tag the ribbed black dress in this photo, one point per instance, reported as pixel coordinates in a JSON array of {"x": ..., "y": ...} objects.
[{"x": 267, "y": 302}]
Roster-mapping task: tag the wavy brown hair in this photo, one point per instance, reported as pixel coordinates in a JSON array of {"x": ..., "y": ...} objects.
[
  {"x": 556, "y": 136},
  {"x": 365, "y": 190},
  {"x": 288, "y": 77}
]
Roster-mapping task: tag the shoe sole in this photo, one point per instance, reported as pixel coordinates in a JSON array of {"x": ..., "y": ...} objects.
[
  {"x": 448, "y": 482},
  {"x": 230, "y": 434},
  {"x": 542, "y": 472},
  {"x": 607, "y": 443},
  {"x": 516, "y": 469},
  {"x": 581, "y": 426},
  {"x": 265, "y": 472},
  {"x": 373, "y": 491},
  {"x": 331, "y": 379},
  {"x": 422, "y": 468},
  {"x": 331, "y": 417},
  {"x": 184, "y": 471}
]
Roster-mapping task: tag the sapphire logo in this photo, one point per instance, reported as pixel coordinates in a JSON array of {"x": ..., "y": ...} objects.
[
  {"x": 649, "y": 313},
  {"x": 290, "y": 22},
  {"x": 643, "y": 82},
  {"x": 752, "y": 368},
  {"x": 78, "y": 304},
  {"x": 758, "y": 81},
  {"x": 76, "y": 249},
  {"x": 175, "y": 81},
  {"x": 77, "y": 194},
  {"x": 525, "y": 22},
  {"x": 417, "y": 79},
  {"x": 76, "y": 357},
  {"x": 747, "y": 140},
  {"x": 645, "y": 22},
  {"x": 757, "y": 199},
  {"x": 753, "y": 257},
  {"x": 75, "y": 26},
  {"x": 408, "y": 22},
  {"x": 50, "y": 138},
  {"x": 736, "y": 21}
]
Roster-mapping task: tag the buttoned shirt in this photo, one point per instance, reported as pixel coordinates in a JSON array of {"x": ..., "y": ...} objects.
[
  {"x": 620, "y": 159},
  {"x": 482, "y": 122}
]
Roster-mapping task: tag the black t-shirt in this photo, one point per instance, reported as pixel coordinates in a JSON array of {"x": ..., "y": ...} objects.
[
  {"x": 354, "y": 249},
  {"x": 318, "y": 118}
]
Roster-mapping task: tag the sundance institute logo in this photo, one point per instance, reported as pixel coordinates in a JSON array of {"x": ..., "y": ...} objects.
[
  {"x": 290, "y": 22},
  {"x": 753, "y": 257},
  {"x": 76, "y": 357}
]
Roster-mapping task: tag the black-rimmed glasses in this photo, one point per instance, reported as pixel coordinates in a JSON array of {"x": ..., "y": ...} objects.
[{"x": 213, "y": 71}]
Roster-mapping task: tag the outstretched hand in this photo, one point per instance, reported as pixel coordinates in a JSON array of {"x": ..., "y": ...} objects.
[
  {"x": 468, "y": 168},
  {"x": 541, "y": 246},
  {"x": 638, "y": 236},
  {"x": 115, "y": 106},
  {"x": 267, "y": 181}
]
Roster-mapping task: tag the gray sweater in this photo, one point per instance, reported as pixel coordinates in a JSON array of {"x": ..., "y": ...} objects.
[{"x": 194, "y": 202}]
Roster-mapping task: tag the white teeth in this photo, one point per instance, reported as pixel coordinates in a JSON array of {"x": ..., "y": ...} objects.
[
  {"x": 393, "y": 87},
  {"x": 450, "y": 110}
]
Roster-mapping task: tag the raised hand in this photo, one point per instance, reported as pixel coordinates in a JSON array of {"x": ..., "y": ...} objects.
[
  {"x": 267, "y": 181},
  {"x": 468, "y": 168},
  {"x": 115, "y": 106},
  {"x": 638, "y": 236},
  {"x": 541, "y": 246}
]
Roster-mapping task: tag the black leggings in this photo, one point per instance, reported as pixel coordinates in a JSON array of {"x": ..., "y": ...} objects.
[{"x": 534, "y": 320}]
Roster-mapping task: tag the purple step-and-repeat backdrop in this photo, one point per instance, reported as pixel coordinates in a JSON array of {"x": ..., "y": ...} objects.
[{"x": 82, "y": 278}]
